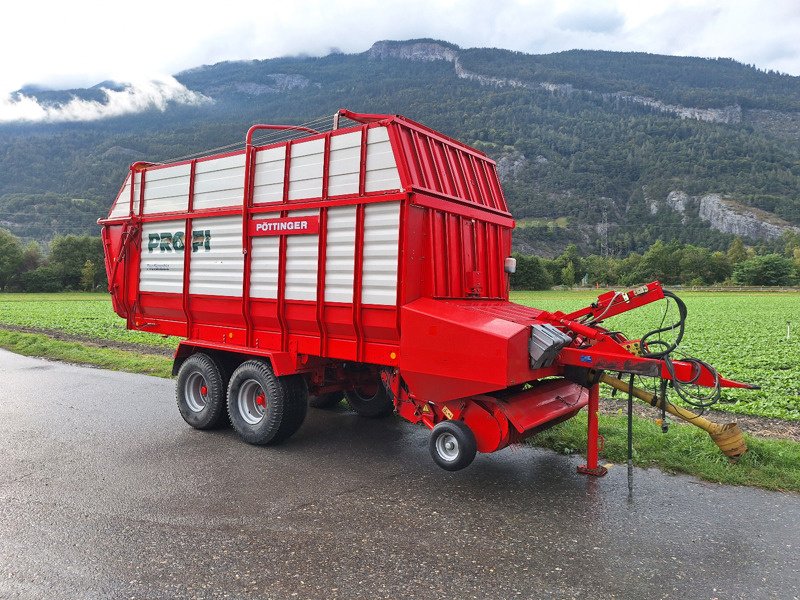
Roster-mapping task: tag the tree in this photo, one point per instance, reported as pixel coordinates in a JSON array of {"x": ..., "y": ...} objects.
[
  {"x": 42, "y": 279},
  {"x": 68, "y": 255},
  {"x": 32, "y": 256},
  {"x": 88, "y": 276},
  {"x": 531, "y": 274},
  {"x": 568, "y": 275},
  {"x": 770, "y": 269},
  {"x": 661, "y": 262},
  {"x": 736, "y": 251},
  {"x": 10, "y": 256}
]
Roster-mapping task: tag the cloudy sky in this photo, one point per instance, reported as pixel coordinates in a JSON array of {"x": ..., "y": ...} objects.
[{"x": 77, "y": 44}]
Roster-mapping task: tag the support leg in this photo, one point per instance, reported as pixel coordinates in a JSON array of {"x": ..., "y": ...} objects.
[{"x": 591, "y": 467}]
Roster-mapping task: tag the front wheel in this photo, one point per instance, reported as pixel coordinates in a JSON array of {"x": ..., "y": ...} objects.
[
  {"x": 200, "y": 392},
  {"x": 452, "y": 445}
]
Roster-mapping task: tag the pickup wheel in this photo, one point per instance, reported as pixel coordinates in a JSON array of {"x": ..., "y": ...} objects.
[
  {"x": 371, "y": 400},
  {"x": 263, "y": 408},
  {"x": 328, "y": 400},
  {"x": 452, "y": 445},
  {"x": 200, "y": 392}
]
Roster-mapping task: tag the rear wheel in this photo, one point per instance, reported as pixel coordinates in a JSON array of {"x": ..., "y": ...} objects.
[
  {"x": 263, "y": 408},
  {"x": 200, "y": 392},
  {"x": 328, "y": 400},
  {"x": 297, "y": 400},
  {"x": 452, "y": 445},
  {"x": 370, "y": 399}
]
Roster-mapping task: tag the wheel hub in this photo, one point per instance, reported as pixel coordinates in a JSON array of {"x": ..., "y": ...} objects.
[
  {"x": 252, "y": 402},
  {"x": 447, "y": 446},
  {"x": 196, "y": 392}
]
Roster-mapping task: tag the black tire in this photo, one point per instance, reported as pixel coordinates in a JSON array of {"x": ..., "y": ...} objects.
[
  {"x": 263, "y": 408},
  {"x": 370, "y": 404},
  {"x": 328, "y": 400},
  {"x": 297, "y": 401},
  {"x": 452, "y": 445},
  {"x": 200, "y": 392}
]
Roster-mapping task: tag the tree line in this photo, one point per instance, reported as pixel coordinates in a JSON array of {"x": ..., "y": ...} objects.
[
  {"x": 670, "y": 263},
  {"x": 71, "y": 262},
  {"x": 74, "y": 263}
]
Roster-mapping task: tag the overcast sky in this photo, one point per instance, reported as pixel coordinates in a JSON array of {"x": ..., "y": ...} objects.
[{"x": 76, "y": 44}]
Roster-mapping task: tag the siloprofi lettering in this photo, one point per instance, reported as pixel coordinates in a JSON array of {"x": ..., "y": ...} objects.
[{"x": 167, "y": 242}]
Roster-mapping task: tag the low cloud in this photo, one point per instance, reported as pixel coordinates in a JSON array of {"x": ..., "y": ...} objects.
[
  {"x": 592, "y": 20},
  {"x": 133, "y": 98}
]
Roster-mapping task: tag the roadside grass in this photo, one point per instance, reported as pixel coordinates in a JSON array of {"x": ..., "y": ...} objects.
[
  {"x": 769, "y": 464},
  {"x": 34, "y": 344}
]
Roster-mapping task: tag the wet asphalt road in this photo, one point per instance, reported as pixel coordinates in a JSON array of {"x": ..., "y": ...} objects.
[{"x": 106, "y": 493}]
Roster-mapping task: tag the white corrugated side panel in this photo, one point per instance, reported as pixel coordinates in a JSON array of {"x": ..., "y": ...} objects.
[
  {"x": 381, "y": 244},
  {"x": 305, "y": 170},
  {"x": 167, "y": 190},
  {"x": 218, "y": 271},
  {"x": 123, "y": 203},
  {"x": 219, "y": 182},
  {"x": 268, "y": 183},
  {"x": 340, "y": 254},
  {"x": 345, "y": 164},
  {"x": 161, "y": 270},
  {"x": 264, "y": 265},
  {"x": 302, "y": 259},
  {"x": 381, "y": 167}
]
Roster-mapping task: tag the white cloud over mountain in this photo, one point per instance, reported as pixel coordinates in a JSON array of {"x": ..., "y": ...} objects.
[{"x": 132, "y": 98}]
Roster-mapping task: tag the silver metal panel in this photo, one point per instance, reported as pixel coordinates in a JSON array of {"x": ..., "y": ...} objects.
[
  {"x": 340, "y": 254},
  {"x": 302, "y": 259},
  {"x": 167, "y": 190},
  {"x": 268, "y": 182},
  {"x": 381, "y": 245},
  {"x": 305, "y": 169},
  {"x": 218, "y": 270},
  {"x": 345, "y": 164},
  {"x": 219, "y": 182},
  {"x": 161, "y": 264},
  {"x": 381, "y": 167}
]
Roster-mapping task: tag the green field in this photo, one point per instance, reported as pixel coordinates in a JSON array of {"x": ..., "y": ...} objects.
[
  {"x": 75, "y": 313},
  {"x": 742, "y": 334}
]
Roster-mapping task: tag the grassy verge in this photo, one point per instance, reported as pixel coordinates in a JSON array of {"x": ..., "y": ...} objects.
[
  {"x": 770, "y": 464},
  {"x": 31, "y": 344}
]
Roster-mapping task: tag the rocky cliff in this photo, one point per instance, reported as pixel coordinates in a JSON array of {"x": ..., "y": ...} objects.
[
  {"x": 430, "y": 51},
  {"x": 726, "y": 215}
]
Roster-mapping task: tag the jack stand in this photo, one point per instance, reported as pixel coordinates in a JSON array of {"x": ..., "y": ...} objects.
[{"x": 591, "y": 467}]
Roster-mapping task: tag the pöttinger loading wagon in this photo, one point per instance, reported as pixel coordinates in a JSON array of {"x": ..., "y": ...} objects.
[{"x": 372, "y": 261}]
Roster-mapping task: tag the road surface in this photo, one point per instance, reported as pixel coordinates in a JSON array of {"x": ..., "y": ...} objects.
[{"x": 106, "y": 493}]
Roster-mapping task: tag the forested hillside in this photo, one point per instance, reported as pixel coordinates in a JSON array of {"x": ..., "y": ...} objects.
[{"x": 590, "y": 145}]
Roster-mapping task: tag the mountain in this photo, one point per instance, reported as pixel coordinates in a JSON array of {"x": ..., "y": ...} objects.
[{"x": 608, "y": 150}]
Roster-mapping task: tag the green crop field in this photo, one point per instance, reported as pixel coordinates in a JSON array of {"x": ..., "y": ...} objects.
[
  {"x": 80, "y": 314},
  {"x": 742, "y": 334}
]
